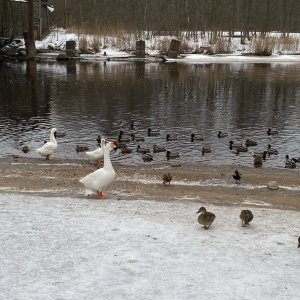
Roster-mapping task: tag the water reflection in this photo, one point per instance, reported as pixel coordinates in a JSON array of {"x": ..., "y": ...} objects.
[{"x": 85, "y": 99}]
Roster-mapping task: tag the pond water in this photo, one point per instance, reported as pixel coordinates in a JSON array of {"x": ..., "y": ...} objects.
[{"x": 87, "y": 99}]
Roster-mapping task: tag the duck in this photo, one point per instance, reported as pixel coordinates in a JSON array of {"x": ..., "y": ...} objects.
[
  {"x": 81, "y": 148},
  {"x": 48, "y": 148},
  {"x": 171, "y": 155},
  {"x": 272, "y": 131},
  {"x": 119, "y": 145},
  {"x": 59, "y": 134},
  {"x": 167, "y": 178},
  {"x": 135, "y": 138},
  {"x": 142, "y": 150},
  {"x": 246, "y": 216},
  {"x": 147, "y": 157},
  {"x": 222, "y": 134},
  {"x": 259, "y": 158},
  {"x": 123, "y": 139},
  {"x": 98, "y": 139},
  {"x": 171, "y": 137},
  {"x": 126, "y": 150},
  {"x": 206, "y": 149},
  {"x": 152, "y": 132},
  {"x": 241, "y": 149},
  {"x": 25, "y": 149},
  {"x": 250, "y": 142},
  {"x": 233, "y": 144},
  {"x": 131, "y": 125},
  {"x": 101, "y": 178},
  {"x": 289, "y": 163},
  {"x": 237, "y": 176},
  {"x": 194, "y": 138},
  {"x": 205, "y": 218},
  {"x": 271, "y": 150},
  {"x": 157, "y": 149},
  {"x": 299, "y": 242},
  {"x": 97, "y": 155}
]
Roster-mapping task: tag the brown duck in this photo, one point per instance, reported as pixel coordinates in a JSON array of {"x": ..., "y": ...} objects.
[
  {"x": 246, "y": 216},
  {"x": 205, "y": 218}
]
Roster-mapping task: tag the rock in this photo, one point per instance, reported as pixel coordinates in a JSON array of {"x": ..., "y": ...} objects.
[
  {"x": 273, "y": 185},
  {"x": 62, "y": 56}
]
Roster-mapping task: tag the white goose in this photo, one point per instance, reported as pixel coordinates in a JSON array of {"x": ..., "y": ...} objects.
[
  {"x": 101, "y": 178},
  {"x": 97, "y": 155},
  {"x": 48, "y": 148}
]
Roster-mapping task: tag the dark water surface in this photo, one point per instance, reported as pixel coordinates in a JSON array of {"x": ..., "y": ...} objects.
[{"x": 87, "y": 99}]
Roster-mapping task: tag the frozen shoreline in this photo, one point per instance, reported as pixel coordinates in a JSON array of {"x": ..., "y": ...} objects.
[{"x": 66, "y": 248}]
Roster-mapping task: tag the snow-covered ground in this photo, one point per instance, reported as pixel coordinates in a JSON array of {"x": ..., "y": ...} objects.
[{"x": 69, "y": 248}]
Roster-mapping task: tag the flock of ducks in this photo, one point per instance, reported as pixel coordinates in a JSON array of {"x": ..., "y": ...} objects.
[{"x": 105, "y": 173}]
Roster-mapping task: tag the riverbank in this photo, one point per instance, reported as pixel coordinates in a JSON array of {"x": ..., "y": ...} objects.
[{"x": 197, "y": 182}]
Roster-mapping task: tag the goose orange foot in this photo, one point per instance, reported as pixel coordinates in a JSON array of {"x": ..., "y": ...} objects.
[{"x": 101, "y": 196}]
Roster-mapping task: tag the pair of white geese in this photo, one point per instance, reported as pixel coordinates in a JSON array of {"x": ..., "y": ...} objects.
[{"x": 97, "y": 180}]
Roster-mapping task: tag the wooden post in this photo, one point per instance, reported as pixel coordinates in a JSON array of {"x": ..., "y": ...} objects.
[
  {"x": 30, "y": 45},
  {"x": 140, "y": 48},
  {"x": 174, "y": 48}
]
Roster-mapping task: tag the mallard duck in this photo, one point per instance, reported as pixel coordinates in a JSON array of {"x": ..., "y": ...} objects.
[
  {"x": 142, "y": 150},
  {"x": 171, "y": 137},
  {"x": 299, "y": 242},
  {"x": 233, "y": 144},
  {"x": 196, "y": 138},
  {"x": 135, "y": 138},
  {"x": 206, "y": 149},
  {"x": 59, "y": 134},
  {"x": 147, "y": 157},
  {"x": 237, "y": 176},
  {"x": 101, "y": 178},
  {"x": 123, "y": 139},
  {"x": 241, "y": 149},
  {"x": 152, "y": 132},
  {"x": 205, "y": 218},
  {"x": 119, "y": 145},
  {"x": 271, "y": 150},
  {"x": 157, "y": 149},
  {"x": 289, "y": 163},
  {"x": 97, "y": 155},
  {"x": 48, "y": 148},
  {"x": 172, "y": 155},
  {"x": 222, "y": 134},
  {"x": 81, "y": 148},
  {"x": 131, "y": 125},
  {"x": 98, "y": 139},
  {"x": 250, "y": 142},
  {"x": 167, "y": 178},
  {"x": 259, "y": 158},
  {"x": 246, "y": 216},
  {"x": 272, "y": 131},
  {"x": 25, "y": 149},
  {"x": 126, "y": 150}
]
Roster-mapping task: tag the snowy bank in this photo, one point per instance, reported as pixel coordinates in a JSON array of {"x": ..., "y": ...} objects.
[{"x": 68, "y": 248}]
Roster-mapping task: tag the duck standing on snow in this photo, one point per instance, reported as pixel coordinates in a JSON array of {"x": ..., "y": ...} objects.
[
  {"x": 205, "y": 218},
  {"x": 101, "y": 178},
  {"x": 97, "y": 154},
  {"x": 246, "y": 216},
  {"x": 48, "y": 148}
]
